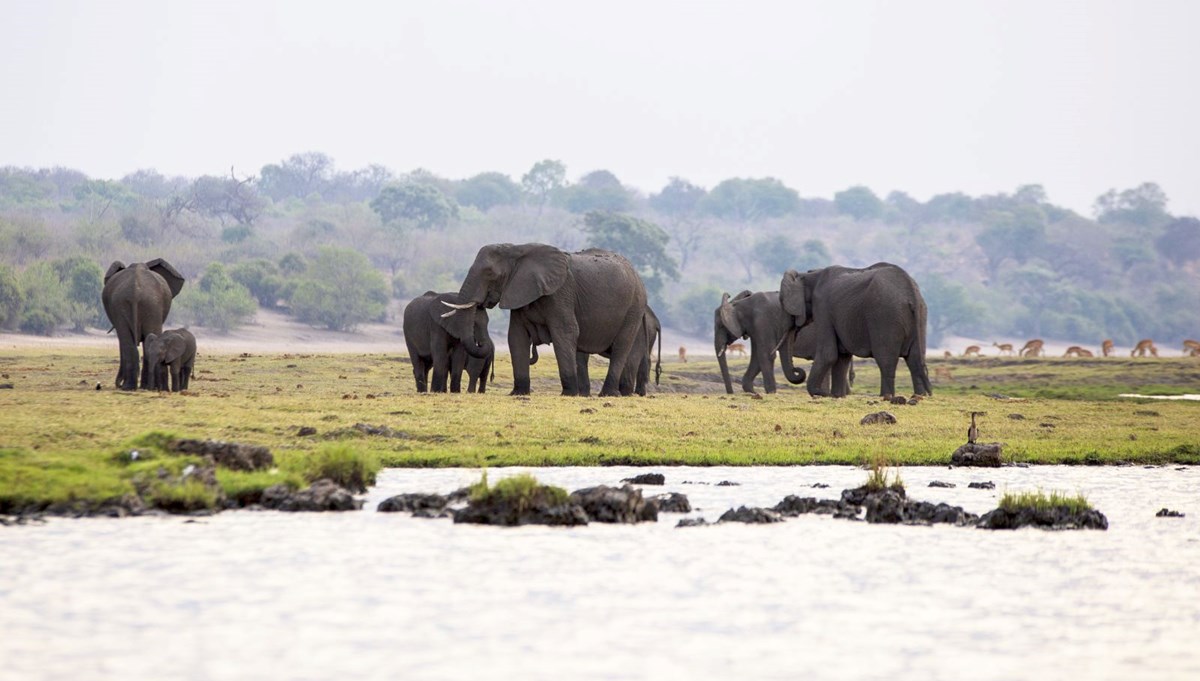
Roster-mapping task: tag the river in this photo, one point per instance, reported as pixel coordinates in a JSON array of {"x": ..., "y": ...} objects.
[{"x": 245, "y": 595}]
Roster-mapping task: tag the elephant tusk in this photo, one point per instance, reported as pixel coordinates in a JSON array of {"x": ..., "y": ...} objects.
[
  {"x": 457, "y": 306},
  {"x": 781, "y": 340},
  {"x": 451, "y": 313},
  {"x": 722, "y": 352}
]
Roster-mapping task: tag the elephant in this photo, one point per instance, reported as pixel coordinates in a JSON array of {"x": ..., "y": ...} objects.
[
  {"x": 761, "y": 318},
  {"x": 592, "y": 301},
  {"x": 446, "y": 343},
  {"x": 877, "y": 311},
  {"x": 172, "y": 352},
  {"x": 636, "y": 375},
  {"x": 137, "y": 300}
]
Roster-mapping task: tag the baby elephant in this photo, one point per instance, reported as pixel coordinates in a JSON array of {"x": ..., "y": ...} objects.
[{"x": 174, "y": 350}]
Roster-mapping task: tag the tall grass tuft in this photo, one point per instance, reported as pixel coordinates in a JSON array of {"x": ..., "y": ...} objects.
[
  {"x": 879, "y": 479},
  {"x": 522, "y": 491},
  {"x": 1040, "y": 501},
  {"x": 342, "y": 463}
]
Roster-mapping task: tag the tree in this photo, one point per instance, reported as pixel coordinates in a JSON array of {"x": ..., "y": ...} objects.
[
  {"x": 859, "y": 202},
  {"x": 339, "y": 290},
  {"x": 1144, "y": 205},
  {"x": 217, "y": 302},
  {"x": 1018, "y": 234},
  {"x": 900, "y": 207},
  {"x": 420, "y": 204},
  {"x": 300, "y": 176},
  {"x": 693, "y": 311},
  {"x": 598, "y": 190},
  {"x": 953, "y": 207},
  {"x": 12, "y": 297},
  {"x": 488, "y": 190},
  {"x": 680, "y": 201},
  {"x": 643, "y": 243},
  {"x": 83, "y": 280},
  {"x": 1180, "y": 241},
  {"x": 949, "y": 307},
  {"x": 543, "y": 180},
  {"x": 262, "y": 279},
  {"x": 747, "y": 200},
  {"x": 227, "y": 198},
  {"x": 45, "y": 301}
]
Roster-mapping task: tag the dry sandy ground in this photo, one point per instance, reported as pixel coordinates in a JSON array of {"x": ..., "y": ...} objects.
[{"x": 275, "y": 332}]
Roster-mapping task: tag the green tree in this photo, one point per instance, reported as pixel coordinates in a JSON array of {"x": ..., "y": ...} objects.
[
  {"x": 339, "y": 290},
  {"x": 46, "y": 305},
  {"x": 226, "y": 198},
  {"x": 488, "y": 190},
  {"x": 680, "y": 202},
  {"x": 544, "y": 180},
  {"x": 598, "y": 190},
  {"x": 262, "y": 278},
  {"x": 1019, "y": 234},
  {"x": 300, "y": 176},
  {"x": 218, "y": 302},
  {"x": 12, "y": 297},
  {"x": 1144, "y": 205},
  {"x": 643, "y": 243},
  {"x": 83, "y": 280},
  {"x": 751, "y": 200},
  {"x": 419, "y": 204},
  {"x": 1180, "y": 241},
  {"x": 950, "y": 308},
  {"x": 859, "y": 202}
]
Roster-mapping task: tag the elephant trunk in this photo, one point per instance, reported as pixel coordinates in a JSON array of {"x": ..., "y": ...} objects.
[
  {"x": 720, "y": 341},
  {"x": 793, "y": 374},
  {"x": 479, "y": 350}
]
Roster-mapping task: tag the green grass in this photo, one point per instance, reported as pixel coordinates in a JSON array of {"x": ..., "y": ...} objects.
[
  {"x": 1040, "y": 501},
  {"x": 879, "y": 480},
  {"x": 522, "y": 490},
  {"x": 60, "y": 439}
]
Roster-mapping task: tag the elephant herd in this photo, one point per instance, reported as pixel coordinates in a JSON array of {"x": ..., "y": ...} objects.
[{"x": 592, "y": 302}]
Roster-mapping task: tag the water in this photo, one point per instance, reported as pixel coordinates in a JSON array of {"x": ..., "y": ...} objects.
[{"x": 385, "y": 596}]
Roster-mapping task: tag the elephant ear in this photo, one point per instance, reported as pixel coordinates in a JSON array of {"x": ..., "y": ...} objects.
[
  {"x": 743, "y": 294},
  {"x": 164, "y": 269},
  {"x": 539, "y": 271},
  {"x": 793, "y": 296},
  {"x": 729, "y": 317},
  {"x": 117, "y": 266},
  {"x": 175, "y": 345}
]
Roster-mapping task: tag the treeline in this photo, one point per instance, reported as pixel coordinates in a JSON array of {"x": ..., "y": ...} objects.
[{"x": 337, "y": 248}]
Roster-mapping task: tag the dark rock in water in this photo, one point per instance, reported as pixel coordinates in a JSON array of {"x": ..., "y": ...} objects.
[
  {"x": 1060, "y": 518},
  {"x": 322, "y": 495},
  {"x": 752, "y": 515},
  {"x": 625, "y": 504},
  {"x": 413, "y": 502},
  {"x": 986, "y": 484},
  {"x": 820, "y": 485},
  {"x": 728, "y": 483},
  {"x": 858, "y": 495},
  {"x": 431, "y": 513},
  {"x": 939, "y": 483},
  {"x": 647, "y": 479},
  {"x": 899, "y": 400},
  {"x": 691, "y": 522},
  {"x": 923, "y": 512},
  {"x": 793, "y": 505},
  {"x": 1168, "y": 513},
  {"x": 978, "y": 454},
  {"x": 886, "y": 506},
  {"x": 541, "y": 509},
  {"x": 232, "y": 455},
  {"x": 673, "y": 502},
  {"x": 885, "y": 417},
  {"x": 119, "y": 507},
  {"x": 305, "y": 431}
]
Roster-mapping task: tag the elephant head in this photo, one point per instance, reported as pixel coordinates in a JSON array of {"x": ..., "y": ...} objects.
[
  {"x": 749, "y": 314},
  {"x": 513, "y": 276},
  {"x": 159, "y": 266},
  {"x": 466, "y": 322},
  {"x": 795, "y": 294}
]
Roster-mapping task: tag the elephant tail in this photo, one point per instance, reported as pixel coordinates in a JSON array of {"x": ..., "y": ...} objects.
[{"x": 658, "y": 360}]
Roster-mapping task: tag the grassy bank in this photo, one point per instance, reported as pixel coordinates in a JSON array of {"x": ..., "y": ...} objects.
[{"x": 60, "y": 437}]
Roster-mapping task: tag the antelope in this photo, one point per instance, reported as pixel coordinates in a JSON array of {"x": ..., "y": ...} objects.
[
  {"x": 683, "y": 354},
  {"x": 940, "y": 373},
  {"x": 1033, "y": 348},
  {"x": 1107, "y": 347},
  {"x": 739, "y": 348},
  {"x": 1005, "y": 348},
  {"x": 971, "y": 351},
  {"x": 948, "y": 355},
  {"x": 1076, "y": 351},
  {"x": 1145, "y": 345},
  {"x": 1191, "y": 347},
  {"x": 1195, "y": 353}
]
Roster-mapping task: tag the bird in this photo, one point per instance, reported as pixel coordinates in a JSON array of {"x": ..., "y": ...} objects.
[{"x": 973, "y": 431}]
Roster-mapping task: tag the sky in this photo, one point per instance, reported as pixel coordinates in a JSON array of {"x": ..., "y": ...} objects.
[{"x": 919, "y": 96}]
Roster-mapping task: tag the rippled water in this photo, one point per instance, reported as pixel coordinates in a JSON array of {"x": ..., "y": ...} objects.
[{"x": 385, "y": 596}]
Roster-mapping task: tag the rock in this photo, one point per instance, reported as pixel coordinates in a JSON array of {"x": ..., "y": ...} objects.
[
  {"x": 413, "y": 502},
  {"x": 858, "y": 495},
  {"x": 1059, "y": 518},
  {"x": 1145, "y": 412},
  {"x": 728, "y": 483},
  {"x": 1017, "y": 417},
  {"x": 914, "y": 400},
  {"x": 939, "y": 483},
  {"x": 691, "y": 522},
  {"x": 925, "y": 513},
  {"x": 898, "y": 400},
  {"x": 793, "y": 505},
  {"x": 432, "y": 513},
  {"x": 118, "y": 507},
  {"x": 538, "y": 511},
  {"x": 752, "y": 515},
  {"x": 673, "y": 502},
  {"x": 986, "y": 484},
  {"x": 985, "y": 455},
  {"x": 6, "y": 386},
  {"x": 886, "y": 506},
  {"x": 232, "y": 455},
  {"x": 820, "y": 485},
  {"x": 1168, "y": 513},
  {"x": 647, "y": 479},
  {"x": 604, "y": 504},
  {"x": 305, "y": 431},
  {"x": 885, "y": 417},
  {"x": 322, "y": 495}
]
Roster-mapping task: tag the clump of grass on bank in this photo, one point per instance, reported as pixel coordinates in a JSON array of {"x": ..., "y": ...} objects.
[
  {"x": 185, "y": 497},
  {"x": 522, "y": 491},
  {"x": 1040, "y": 501},
  {"x": 879, "y": 479},
  {"x": 342, "y": 463},
  {"x": 246, "y": 488}
]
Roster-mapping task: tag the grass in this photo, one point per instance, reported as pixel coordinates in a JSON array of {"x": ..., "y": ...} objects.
[
  {"x": 60, "y": 439},
  {"x": 522, "y": 491},
  {"x": 1040, "y": 501},
  {"x": 879, "y": 480}
]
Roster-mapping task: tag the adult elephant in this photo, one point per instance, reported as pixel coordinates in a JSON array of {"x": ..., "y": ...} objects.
[
  {"x": 875, "y": 312},
  {"x": 761, "y": 318},
  {"x": 636, "y": 376},
  {"x": 137, "y": 300},
  {"x": 591, "y": 301},
  {"x": 446, "y": 343}
]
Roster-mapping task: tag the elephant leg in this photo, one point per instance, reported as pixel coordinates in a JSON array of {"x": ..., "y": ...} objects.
[
  {"x": 765, "y": 359},
  {"x": 127, "y": 374},
  {"x": 618, "y": 362},
  {"x": 887, "y": 374},
  {"x": 819, "y": 382},
  {"x": 643, "y": 376},
  {"x": 581, "y": 374},
  {"x": 186, "y": 375},
  {"x": 840, "y": 383},
  {"x": 518, "y": 351},
  {"x": 176, "y": 378},
  {"x": 420, "y": 373},
  {"x": 441, "y": 367},
  {"x": 566, "y": 342},
  {"x": 458, "y": 363},
  {"x": 919, "y": 373},
  {"x": 148, "y": 382}
]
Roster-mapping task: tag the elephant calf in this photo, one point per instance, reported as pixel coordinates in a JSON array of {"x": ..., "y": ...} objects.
[{"x": 173, "y": 351}]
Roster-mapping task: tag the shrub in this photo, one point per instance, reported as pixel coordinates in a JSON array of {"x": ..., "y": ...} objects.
[
  {"x": 218, "y": 302},
  {"x": 45, "y": 303},
  {"x": 343, "y": 464},
  {"x": 12, "y": 297},
  {"x": 879, "y": 479},
  {"x": 521, "y": 490},
  {"x": 339, "y": 290}
]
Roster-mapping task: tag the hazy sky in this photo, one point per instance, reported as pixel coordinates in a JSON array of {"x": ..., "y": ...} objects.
[{"x": 926, "y": 97}]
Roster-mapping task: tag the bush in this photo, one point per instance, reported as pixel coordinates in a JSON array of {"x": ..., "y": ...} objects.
[
  {"x": 343, "y": 464},
  {"x": 46, "y": 304},
  {"x": 694, "y": 311},
  {"x": 339, "y": 290},
  {"x": 218, "y": 302},
  {"x": 12, "y": 297},
  {"x": 261, "y": 277}
]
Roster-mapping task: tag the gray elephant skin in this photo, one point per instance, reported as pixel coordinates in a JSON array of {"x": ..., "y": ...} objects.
[
  {"x": 446, "y": 342},
  {"x": 137, "y": 300},
  {"x": 636, "y": 376},
  {"x": 761, "y": 318},
  {"x": 877, "y": 311},
  {"x": 592, "y": 301},
  {"x": 171, "y": 354}
]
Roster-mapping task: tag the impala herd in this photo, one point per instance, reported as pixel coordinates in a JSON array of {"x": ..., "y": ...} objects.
[{"x": 1036, "y": 348}]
